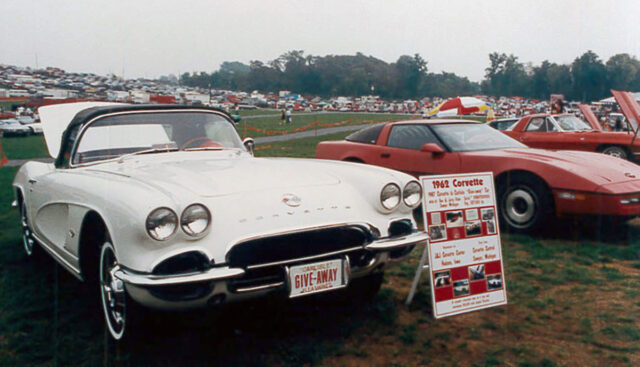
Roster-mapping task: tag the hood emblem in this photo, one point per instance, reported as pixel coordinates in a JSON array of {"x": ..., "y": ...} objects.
[
  {"x": 630, "y": 175},
  {"x": 291, "y": 200}
]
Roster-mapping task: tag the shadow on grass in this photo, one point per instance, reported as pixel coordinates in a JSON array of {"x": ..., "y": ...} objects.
[{"x": 48, "y": 317}]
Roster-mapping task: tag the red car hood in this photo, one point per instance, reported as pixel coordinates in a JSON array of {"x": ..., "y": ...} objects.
[{"x": 560, "y": 168}]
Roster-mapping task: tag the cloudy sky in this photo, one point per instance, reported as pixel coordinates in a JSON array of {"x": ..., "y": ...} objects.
[{"x": 159, "y": 37}]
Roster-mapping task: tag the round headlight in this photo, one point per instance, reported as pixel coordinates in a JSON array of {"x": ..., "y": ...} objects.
[
  {"x": 195, "y": 219},
  {"x": 161, "y": 223},
  {"x": 412, "y": 194},
  {"x": 390, "y": 196}
]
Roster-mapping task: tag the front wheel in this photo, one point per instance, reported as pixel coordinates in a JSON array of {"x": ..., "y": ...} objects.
[
  {"x": 524, "y": 204},
  {"x": 28, "y": 242},
  {"x": 615, "y": 151},
  {"x": 116, "y": 305}
]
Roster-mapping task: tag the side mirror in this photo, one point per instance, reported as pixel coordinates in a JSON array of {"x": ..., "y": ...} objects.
[
  {"x": 432, "y": 148},
  {"x": 236, "y": 118},
  {"x": 250, "y": 144}
]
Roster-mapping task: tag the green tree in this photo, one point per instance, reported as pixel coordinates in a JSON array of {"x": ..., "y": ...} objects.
[
  {"x": 621, "y": 71},
  {"x": 589, "y": 77}
]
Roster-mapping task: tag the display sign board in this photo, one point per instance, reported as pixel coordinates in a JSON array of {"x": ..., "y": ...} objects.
[{"x": 464, "y": 250}]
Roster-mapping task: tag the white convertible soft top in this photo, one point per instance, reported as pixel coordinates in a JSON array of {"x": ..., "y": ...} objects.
[{"x": 56, "y": 118}]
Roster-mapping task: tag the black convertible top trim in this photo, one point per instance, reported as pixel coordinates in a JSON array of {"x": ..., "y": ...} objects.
[{"x": 89, "y": 114}]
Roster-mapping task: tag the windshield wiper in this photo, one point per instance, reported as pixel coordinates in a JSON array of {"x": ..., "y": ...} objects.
[
  {"x": 207, "y": 148},
  {"x": 148, "y": 151}
]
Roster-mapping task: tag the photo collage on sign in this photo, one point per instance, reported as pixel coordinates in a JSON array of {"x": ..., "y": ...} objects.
[
  {"x": 467, "y": 280},
  {"x": 459, "y": 224}
]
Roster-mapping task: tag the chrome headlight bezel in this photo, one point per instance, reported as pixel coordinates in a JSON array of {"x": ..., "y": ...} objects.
[
  {"x": 412, "y": 186},
  {"x": 185, "y": 221},
  {"x": 389, "y": 191},
  {"x": 159, "y": 217}
]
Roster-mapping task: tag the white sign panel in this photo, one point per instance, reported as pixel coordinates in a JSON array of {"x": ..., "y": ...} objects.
[{"x": 465, "y": 256}]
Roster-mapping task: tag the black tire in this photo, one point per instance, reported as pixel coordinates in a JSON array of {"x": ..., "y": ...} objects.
[
  {"x": 29, "y": 244},
  {"x": 525, "y": 203},
  {"x": 121, "y": 313},
  {"x": 615, "y": 151}
]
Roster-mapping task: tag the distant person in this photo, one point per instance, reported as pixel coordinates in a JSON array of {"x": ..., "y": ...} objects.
[
  {"x": 283, "y": 116},
  {"x": 237, "y": 109},
  {"x": 618, "y": 124},
  {"x": 289, "y": 116},
  {"x": 557, "y": 107}
]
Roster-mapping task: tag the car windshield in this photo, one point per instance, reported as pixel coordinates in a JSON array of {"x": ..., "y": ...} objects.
[
  {"x": 571, "y": 123},
  {"x": 148, "y": 132},
  {"x": 470, "y": 137}
]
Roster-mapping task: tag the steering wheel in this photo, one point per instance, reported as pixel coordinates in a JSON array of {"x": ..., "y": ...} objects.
[{"x": 206, "y": 142}]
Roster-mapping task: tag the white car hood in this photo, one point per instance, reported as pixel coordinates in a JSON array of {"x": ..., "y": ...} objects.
[{"x": 226, "y": 173}]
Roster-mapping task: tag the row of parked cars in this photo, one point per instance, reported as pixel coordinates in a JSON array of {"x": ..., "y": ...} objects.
[
  {"x": 20, "y": 126},
  {"x": 167, "y": 208}
]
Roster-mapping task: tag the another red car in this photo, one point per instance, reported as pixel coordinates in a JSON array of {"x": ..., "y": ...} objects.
[
  {"x": 531, "y": 184},
  {"x": 567, "y": 132}
]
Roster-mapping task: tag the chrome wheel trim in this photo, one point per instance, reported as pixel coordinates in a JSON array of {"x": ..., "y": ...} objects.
[
  {"x": 520, "y": 207},
  {"x": 615, "y": 152},
  {"x": 112, "y": 293},
  {"x": 27, "y": 239}
]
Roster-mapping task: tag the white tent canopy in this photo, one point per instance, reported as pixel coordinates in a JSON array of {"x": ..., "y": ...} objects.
[{"x": 613, "y": 100}]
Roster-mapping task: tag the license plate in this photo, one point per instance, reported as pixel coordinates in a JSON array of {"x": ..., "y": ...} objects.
[{"x": 318, "y": 277}]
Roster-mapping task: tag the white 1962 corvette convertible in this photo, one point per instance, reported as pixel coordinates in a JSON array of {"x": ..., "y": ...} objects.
[{"x": 166, "y": 207}]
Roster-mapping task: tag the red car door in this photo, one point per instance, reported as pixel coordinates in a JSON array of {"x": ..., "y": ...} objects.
[
  {"x": 535, "y": 133},
  {"x": 401, "y": 151},
  {"x": 553, "y": 138}
]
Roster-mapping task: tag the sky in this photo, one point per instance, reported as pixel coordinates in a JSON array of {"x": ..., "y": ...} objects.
[{"x": 152, "y": 38}]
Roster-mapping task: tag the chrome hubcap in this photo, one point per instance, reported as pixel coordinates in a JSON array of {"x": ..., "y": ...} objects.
[
  {"x": 27, "y": 240},
  {"x": 520, "y": 206},
  {"x": 615, "y": 153},
  {"x": 112, "y": 291}
]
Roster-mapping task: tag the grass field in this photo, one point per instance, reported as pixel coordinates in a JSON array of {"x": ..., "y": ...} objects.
[
  {"x": 24, "y": 147},
  {"x": 574, "y": 299},
  {"x": 272, "y": 123}
]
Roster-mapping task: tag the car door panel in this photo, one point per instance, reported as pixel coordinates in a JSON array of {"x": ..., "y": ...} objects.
[{"x": 419, "y": 163}]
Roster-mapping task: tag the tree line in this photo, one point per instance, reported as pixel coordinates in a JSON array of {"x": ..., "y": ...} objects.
[{"x": 587, "y": 78}]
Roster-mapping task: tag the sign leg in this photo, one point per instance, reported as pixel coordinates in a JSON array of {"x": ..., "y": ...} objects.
[{"x": 416, "y": 278}]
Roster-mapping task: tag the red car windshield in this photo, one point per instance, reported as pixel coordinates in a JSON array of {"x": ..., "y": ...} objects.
[{"x": 470, "y": 137}]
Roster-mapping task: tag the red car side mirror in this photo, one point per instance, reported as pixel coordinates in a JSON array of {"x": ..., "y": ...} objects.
[{"x": 432, "y": 148}]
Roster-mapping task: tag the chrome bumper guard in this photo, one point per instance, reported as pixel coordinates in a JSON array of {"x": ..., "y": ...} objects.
[
  {"x": 147, "y": 280},
  {"x": 395, "y": 242}
]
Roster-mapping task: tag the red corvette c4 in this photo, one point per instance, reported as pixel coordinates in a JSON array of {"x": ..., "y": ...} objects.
[
  {"x": 532, "y": 184},
  {"x": 567, "y": 132}
]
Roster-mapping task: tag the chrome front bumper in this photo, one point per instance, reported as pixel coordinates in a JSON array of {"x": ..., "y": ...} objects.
[{"x": 224, "y": 273}]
